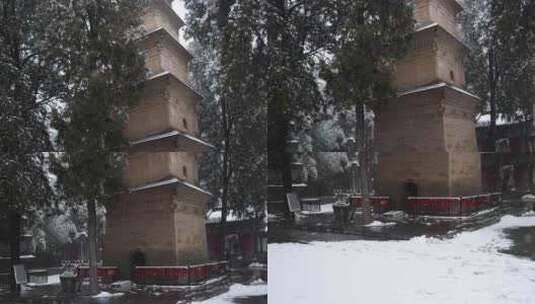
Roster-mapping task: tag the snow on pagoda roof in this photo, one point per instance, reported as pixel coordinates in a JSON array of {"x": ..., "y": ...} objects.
[
  {"x": 168, "y": 9},
  {"x": 426, "y": 27},
  {"x": 182, "y": 138},
  {"x": 167, "y": 74},
  {"x": 170, "y": 38},
  {"x": 430, "y": 26},
  {"x": 293, "y": 186},
  {"x": 435, "y": 87},
  {"x": 169, "y": 182}
]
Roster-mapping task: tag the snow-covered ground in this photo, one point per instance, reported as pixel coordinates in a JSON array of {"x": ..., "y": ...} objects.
[
  {"x": 465, "y": 269},
  {"x": 105, "y": 294},
  {"x": 238, "y": 291}
]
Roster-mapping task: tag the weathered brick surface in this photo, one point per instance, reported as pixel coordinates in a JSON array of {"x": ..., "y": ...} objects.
[
  {"x": 160, "y": 14},
  {"x": 149, "y": 167},
  {"x": 443, "y": 12},
  {"x": 158, "y": 223},
  {"x": 412, "y": 123},
  {"x": 435, "y": 56},
  {"x": 428, "y": 138},
  {"x": 428, "y": 170},
  {"x": 163, "y": 53},
  {"x": 141, "y": 222},
  {"x": 166, "y": 105}
]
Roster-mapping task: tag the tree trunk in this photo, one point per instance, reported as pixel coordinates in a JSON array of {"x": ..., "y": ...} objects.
[
  {"x": 492, "y": 77},
  {"x": 14, "y": 245},
  {"x": 226, "y": 176},
  {"x": 526, "y": 148},
  {"x": 92, "y": 231},
  {"x": 256, "y": 242},
  {"x": 286, "y": 167},
  {"x": 362, "y": 132},
  {"x": 224, "y": 212}
]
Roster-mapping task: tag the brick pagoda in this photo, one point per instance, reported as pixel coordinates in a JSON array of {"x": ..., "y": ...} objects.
[
  {"x": 425, "y": 138},
  {"x": 162, "y": 216}
]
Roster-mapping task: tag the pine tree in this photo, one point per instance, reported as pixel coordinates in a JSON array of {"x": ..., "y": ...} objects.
[
  {"x": 371, "y": 35},
  {"x": 501, "y": 65},
  {"x": 227, "y": 72},
  {"x": 29, "y": 84},
  {"x": 296, "y": 34},
  {"x": 485, "y": 61},
  {"x": 104, "y": 74},
  {"x": 515, "y": 35}
]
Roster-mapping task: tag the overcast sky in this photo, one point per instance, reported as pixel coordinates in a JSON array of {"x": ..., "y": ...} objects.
[{"x": 178, "y": 5}]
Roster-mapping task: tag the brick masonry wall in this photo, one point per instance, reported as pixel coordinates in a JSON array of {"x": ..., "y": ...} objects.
[
  {"x": 428, "y": 138},
  {"x": 149, "y": 167},
  {"x": 158, "y": 15},
  {"x": 434, "y": 57},
  {"x": 428, "y": 170},
  {"x": 419, "y": 66},
  {"x": 445, "y": 13},
  {"x": 450, "y": 57},
  {"x": 412, "y": 123},
  {"x": 166, "y": 105},
  {"x": 164, "y": 54},
  {"x": 141, "y": 221}
]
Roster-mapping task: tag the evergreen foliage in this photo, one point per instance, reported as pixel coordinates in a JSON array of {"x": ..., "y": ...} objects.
[
  {"x": 30, "y": 81},
  {"x": 229, "y": 72},
  {"x": 104, "y": 73},
  {"x": 370, "y": 36}
]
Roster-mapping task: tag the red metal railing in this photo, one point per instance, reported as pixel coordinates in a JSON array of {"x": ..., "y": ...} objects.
[
  {"x": 380, "y": 204},
  {"x": 441, "y": 206},
  {"x": 452, "y": 206},
  {"x": 106, "y": 273},
  {"x": 179, "y": 275}
]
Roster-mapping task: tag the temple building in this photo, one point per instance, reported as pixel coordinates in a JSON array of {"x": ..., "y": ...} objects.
[
  {"x": 426, "y": 139},
  {"x": 160, "y": 220}
]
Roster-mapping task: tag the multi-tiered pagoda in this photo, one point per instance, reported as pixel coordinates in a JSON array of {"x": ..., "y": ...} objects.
[
  {"x": 426, "y": 137},
  {"x": 160, "y": 221}
]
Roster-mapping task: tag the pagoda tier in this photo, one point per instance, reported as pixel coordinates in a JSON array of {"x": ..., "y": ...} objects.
[
  {"x": 443, "y": 12},
  {"x": 425, "y": 138},
  {"x": 435, "y": 56},
  {"x": 164, "y": 221},
  {"x": 167, "y": 104},
  {"x": 148, "y": 167}
]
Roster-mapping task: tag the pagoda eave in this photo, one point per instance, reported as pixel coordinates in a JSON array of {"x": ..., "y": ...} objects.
[
  {"x": 172, "y": 182},
  {"x": 182, "y": 139},
  {"x": 438, "y": 86},
  {"x": 168, "y": 9},
  {"x": 162, "y": 34},
  {"x": 437, "y": 27},
  {"x": 168, "y": 75}
]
